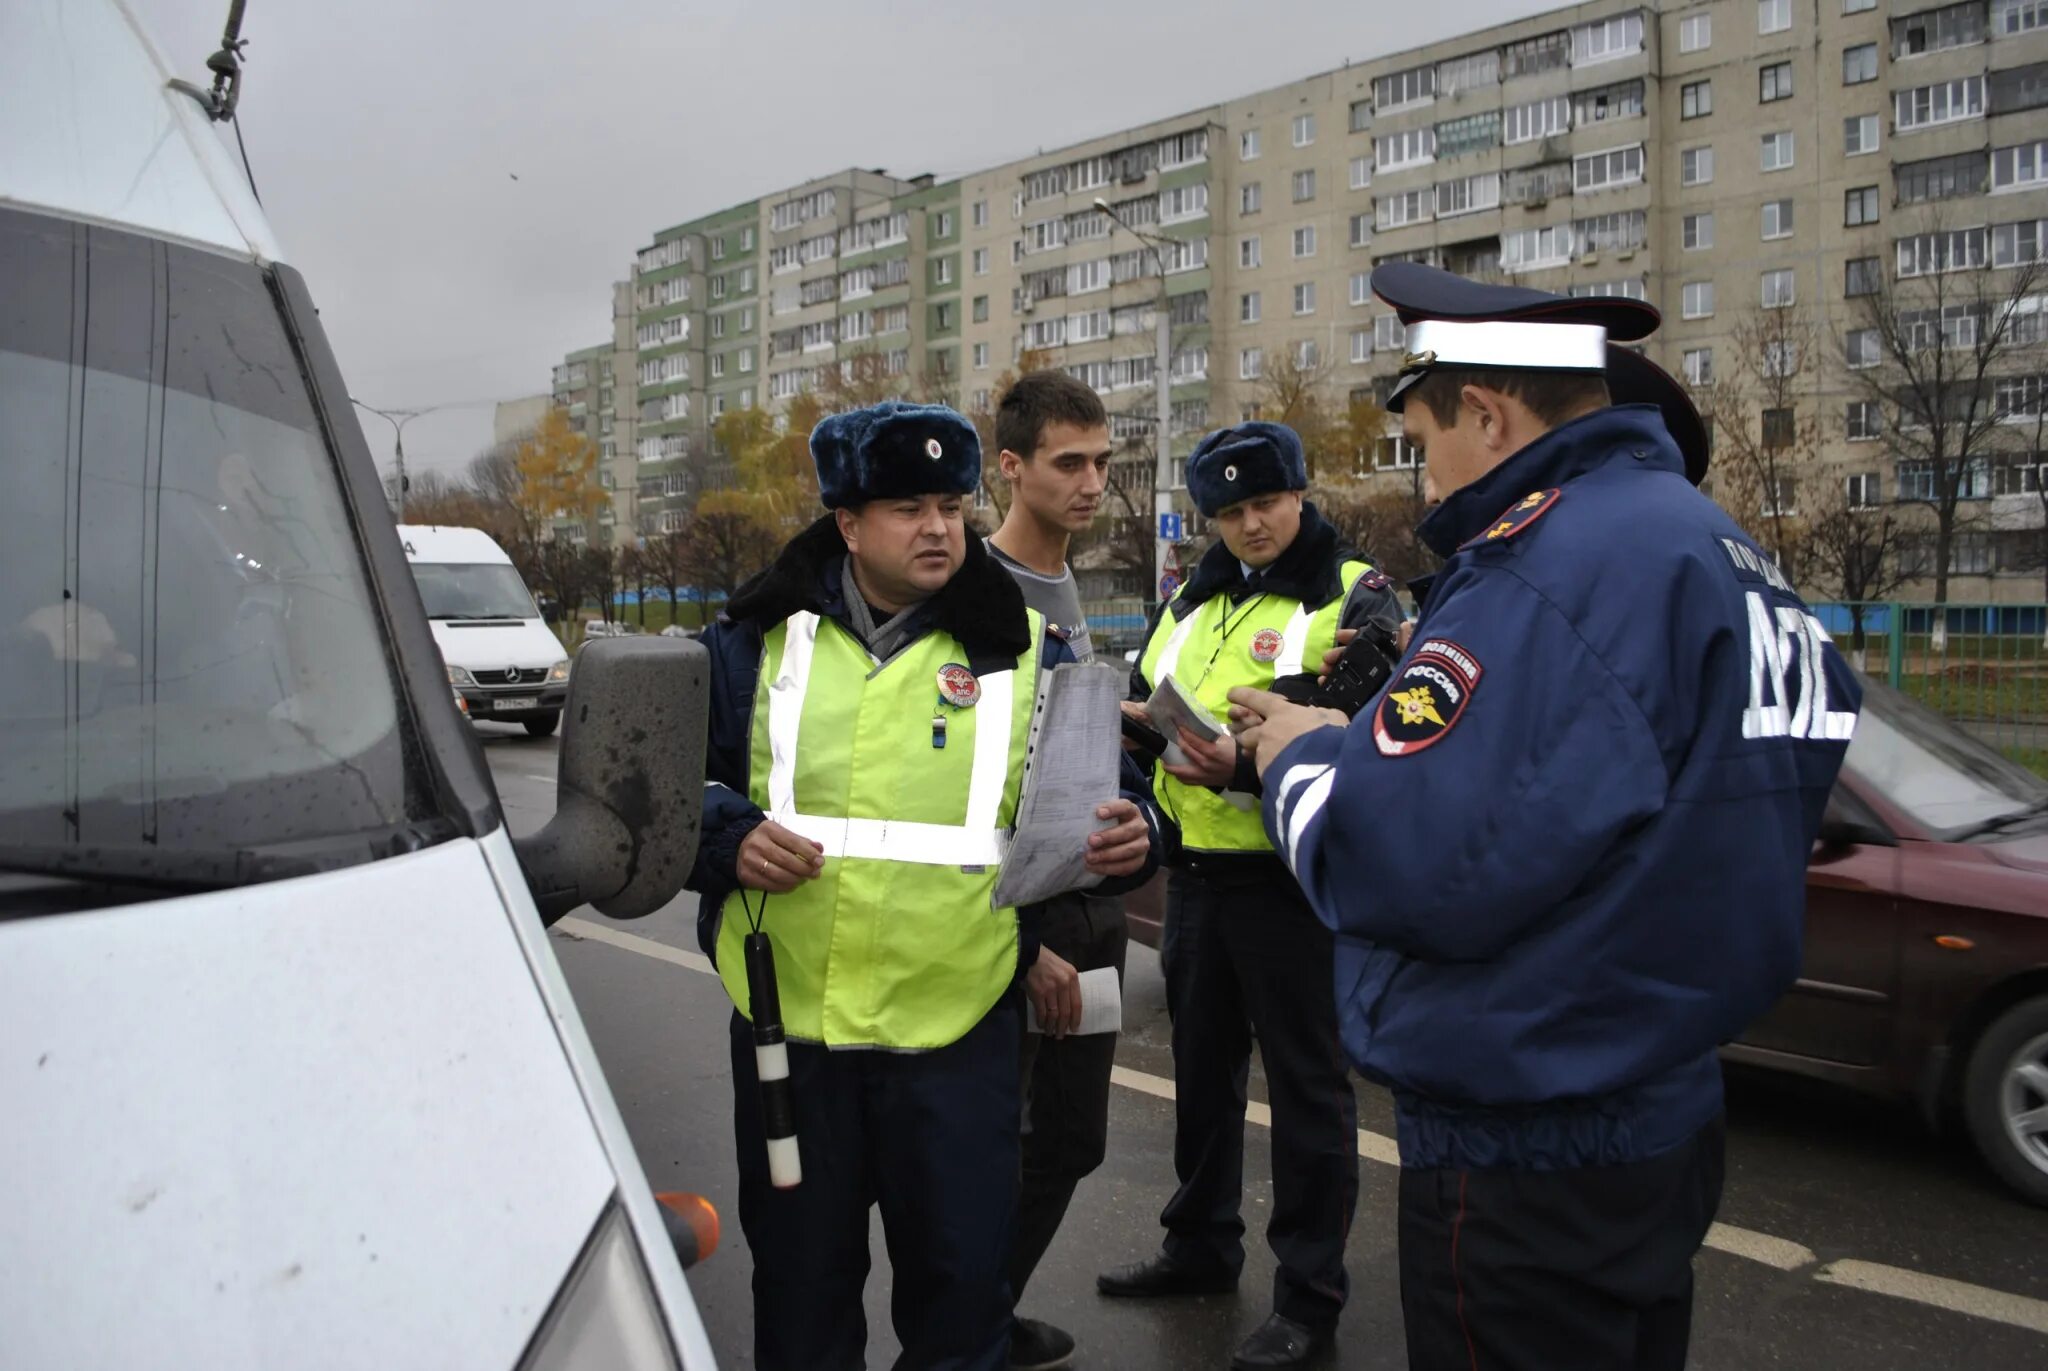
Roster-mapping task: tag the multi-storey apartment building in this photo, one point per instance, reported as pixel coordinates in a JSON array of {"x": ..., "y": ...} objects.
[
  {"x": 1723, "y": 159},
  {"x": 597, "y": 388}
]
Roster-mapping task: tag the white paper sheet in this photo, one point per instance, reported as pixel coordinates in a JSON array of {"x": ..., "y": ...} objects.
[
  {"x": 1076, "y": 743},
  {"x": 1173, "y": 704},
  {"x": 1102, "y": 1004}
]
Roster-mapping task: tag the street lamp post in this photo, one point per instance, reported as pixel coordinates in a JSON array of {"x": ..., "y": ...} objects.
[
  {"x": 398, "y": 419},
  {"x": 1162, "y": 380}
]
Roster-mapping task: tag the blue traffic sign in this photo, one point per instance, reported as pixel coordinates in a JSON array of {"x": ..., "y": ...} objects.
[{"x": 1169, "y": 527}]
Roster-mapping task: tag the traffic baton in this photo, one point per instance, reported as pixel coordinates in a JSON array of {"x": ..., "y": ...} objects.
[{"x": 771, "y": 1065}]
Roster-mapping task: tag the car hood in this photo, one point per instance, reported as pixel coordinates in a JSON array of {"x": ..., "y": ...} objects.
[
  {"x": 496, "y": 644},
  {"x": 2022, "y": 851}
]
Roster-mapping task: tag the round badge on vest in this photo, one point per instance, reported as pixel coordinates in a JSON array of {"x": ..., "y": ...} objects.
[
  {"x": 958, "y": 687},
  {"x": 1266, "y": 645}
]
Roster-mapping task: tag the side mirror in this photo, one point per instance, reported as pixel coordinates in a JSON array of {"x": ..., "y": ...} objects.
[{"x": 630, "y": 782}]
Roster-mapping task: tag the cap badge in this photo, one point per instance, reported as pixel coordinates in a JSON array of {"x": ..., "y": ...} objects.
[
  {"x": 1418, "y": 361},
  {"x": 934, "y": 449},
  {"x": 958, "y": 687},
  {"x": 1230, "y": 473},
  {"x": 1266, "y": 645}
]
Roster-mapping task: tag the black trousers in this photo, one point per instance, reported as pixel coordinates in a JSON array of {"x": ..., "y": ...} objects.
[
  {"x": 1245, "y": 955},
  {"x": 930, "y": 1138},
  {"x": 1066, "y": 1086},
  {"x": 1535, "y": 1270}
]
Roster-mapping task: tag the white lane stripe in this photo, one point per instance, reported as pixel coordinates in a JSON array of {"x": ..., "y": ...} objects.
[
  {"x": 1958, "y": 1297},
  {"x": 1975, "y": 1301}
]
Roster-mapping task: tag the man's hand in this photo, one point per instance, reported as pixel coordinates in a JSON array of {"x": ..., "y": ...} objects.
[
  {"x": 1266, "y": 723},
  {"x": 1119, "y": 850},
  {"x": 1134, "y": 711},
  {"x": 1055, "y": 990},
  {"x": 776, "y": 860},
  {"x": 1344, "y": 637},
  {"x": 1210, "y": 764}
]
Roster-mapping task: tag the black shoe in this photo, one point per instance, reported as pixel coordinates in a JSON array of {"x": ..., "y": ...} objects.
[
  {"x": 1280, "y": 1343},
  {"x": 1036, "y": 1346},
  {"x": 1162, "y": 1275}
]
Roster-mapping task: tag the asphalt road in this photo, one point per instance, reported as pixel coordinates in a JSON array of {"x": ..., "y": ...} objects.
[{"x": 1850, "y": 1238}]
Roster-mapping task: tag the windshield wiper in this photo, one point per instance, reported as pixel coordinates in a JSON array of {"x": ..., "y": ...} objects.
[
  {"x": 172, "y": 869},
  {"x": 472, "y": 616},
  {"x": 2005, "y": 821}
]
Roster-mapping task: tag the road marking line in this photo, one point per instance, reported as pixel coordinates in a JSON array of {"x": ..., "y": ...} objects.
[
  {"x": 1975, "y": 1301},
  {"x": 633, "y": 942},
  {"x": 1958, "y": 1297}
]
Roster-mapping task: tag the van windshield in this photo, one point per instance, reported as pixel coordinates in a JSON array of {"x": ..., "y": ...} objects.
[
  {"x": 473, "y": 590},
  {"x": 195, "y": 663}
]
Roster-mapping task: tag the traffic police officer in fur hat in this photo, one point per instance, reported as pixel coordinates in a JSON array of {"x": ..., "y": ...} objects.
[
  {"x": 1564, "y": 853},
  {"x": 871, "y": 697},
  {"x": 1243, "y": 952}
]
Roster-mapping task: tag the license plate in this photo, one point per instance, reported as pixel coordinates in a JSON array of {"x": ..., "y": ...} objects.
[{"x": 516, "y": 702}]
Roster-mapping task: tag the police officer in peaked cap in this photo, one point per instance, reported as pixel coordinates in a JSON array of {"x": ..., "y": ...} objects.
[{"x": 1564, "y": 852}]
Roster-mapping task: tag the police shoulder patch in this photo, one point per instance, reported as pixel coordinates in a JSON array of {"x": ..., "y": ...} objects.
[
  {"x": 1516, "y": 517},
  {"x": 1375, "y": 579},
  {"x": 1429, "y": 696}
]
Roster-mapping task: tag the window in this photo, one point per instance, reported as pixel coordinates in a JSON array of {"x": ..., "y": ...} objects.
[
  {"x": 979, "y": 215},
  {"x": 1389, "y": 334},
  {"x": 1251, "y": 363},
  {"x": 1859, "y": 134},
  {"x": 1859, "y": 206},
  {"x": 2018, "y": 244},
  {"x": 1304, "y": 186},
  {"x": 1248, "y": 146},
  {"x": 1361, "y": 230},
  {"x": 1535, "y": 249},
  {"x": 1862, "y": 276},
  {"x": 981, "y": 261},
  {"x": 1248, "y": 307},
  {"x": 718, "y": 366},
  {"x": 1696, "y": 99},
  {"x": 942, "y": 272},
  {"x": 1774, "y": 82},
  {"x": 1952, "y": 26},
  {"x": 1304, "y": 130},
  {"x": 1538, "y": 119},
  {"x": 1250, "y": 198},
  {"x": 2016, "y": 168},
  {"x": 1777, "y": 151},
  {"x": 1415, "y": 86},
  {"x": 1412, "y": 148},
  {"x": 1942, "y": 178},
  {"x": 1773, "y": 16},
  {"x": 1606, "y": 39},
  {"x": 1861, "y": 422},
  {"x": 1777, "y": 219},
  {"x": 1858, "y": 6},
  {"x": 1624, "y": 101},
  {"x": 1859, "y": 64},
  {"x": 1699, "y": 366},
  {"x": 1361, "y": 345},
  {"x": 1305, "y": 298},
  {"x": 1361, "y": 287},
  {"x": 1778, "y": 288},
  {"x": 1468, "y": 194},
  {"x": 1863, "y": 490},
  {"x": 1615, "y": 167},
  {"x": 1696, "y": 166},
  {"x": 1361, "y": 172},
  {"x": 1618, "y": 232},
  {"x": 1782, "y": 496},
  {"x": 981, "y": 309},
  {"x": 1941, "y": 103},
  {"x": 1404, "y": 207},
  {"x": 1929, "y": 254},
  {"x": 2010, "y": 18},
  {"x": 1697, "y": 231},
  {"x": 1305, "y": 241},
  {"x": 1696, "y": 33},
  {"x": 1472, "y": 133},
  {"x": 1777, "y": 429},
  {"x": 2018, "y": 88},
  {"x": 1248, "y": 251},
  {"x": 718, "y": 326},
  {"x": 1184, "y": 203},
  {"x": 1781, "y": 358},
  {"x": 1696, "y": 299},
  {"x": 1860, "y": 349}
]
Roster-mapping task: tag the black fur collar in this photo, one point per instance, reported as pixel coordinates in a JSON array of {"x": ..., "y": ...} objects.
[
  {"x": 981, "y": 606},
  {"x": 1307, "y": 571}
]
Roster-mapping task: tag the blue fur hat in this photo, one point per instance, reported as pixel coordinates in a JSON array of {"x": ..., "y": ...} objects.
[
  {"x": 894, "y": 449},
  {"x": 1234, "y": 464}
]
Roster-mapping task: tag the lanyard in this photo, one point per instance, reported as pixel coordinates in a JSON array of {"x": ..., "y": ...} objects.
[{"x": 1224, "y": 631}]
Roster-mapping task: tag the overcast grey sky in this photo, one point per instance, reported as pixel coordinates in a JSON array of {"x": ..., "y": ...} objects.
[{"x": 385, "y": 134}]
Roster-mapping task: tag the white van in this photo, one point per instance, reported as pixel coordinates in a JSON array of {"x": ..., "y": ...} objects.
[
  {"x": 290, "y": 1075},
  {"x": 503, "y": 660}
]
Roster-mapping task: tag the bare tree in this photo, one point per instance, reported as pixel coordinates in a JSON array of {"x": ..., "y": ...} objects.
[
  {"x": 1933, "y": 349},
  {"x": 1764, "y": 438},
  {"x": 725, "y": 548},
  {"x": 1852, "y": 550}
]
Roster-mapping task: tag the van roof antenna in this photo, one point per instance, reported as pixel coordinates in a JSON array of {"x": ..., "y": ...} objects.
[{"x": 226, "y": 66}]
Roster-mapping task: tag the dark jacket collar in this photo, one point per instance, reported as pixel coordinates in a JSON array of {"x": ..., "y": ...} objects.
[
  {"x": 1570, "y": 450},
  {"x": 1308, "y": 571},
  {"x": 981, "y": 606}
]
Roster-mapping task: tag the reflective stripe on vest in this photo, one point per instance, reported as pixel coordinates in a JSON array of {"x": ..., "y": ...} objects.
[{"x": 977, "y": 842}]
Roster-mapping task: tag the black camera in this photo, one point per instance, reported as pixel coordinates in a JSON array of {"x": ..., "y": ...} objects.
[{"x": 1359, "y": 675}]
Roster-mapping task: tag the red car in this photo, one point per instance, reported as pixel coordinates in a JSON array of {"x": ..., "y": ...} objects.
[{"x": 1926, "y": 974}]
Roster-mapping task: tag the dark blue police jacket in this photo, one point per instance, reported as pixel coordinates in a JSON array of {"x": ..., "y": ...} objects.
[
  {"x": 981, "y": 607},
  {"x": 1564, "y": 853}
]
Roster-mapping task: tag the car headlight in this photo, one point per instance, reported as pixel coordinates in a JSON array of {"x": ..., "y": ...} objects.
[
  {"x": 559, "y": 672},
  {"x": 459, "y": 676},
  {"x": 606, "y": 1314}
]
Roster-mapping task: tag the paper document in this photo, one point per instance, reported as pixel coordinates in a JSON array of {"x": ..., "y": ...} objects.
[
  {"x": 1102, "y": 1004},
  {"x": 1172, "y": 704},
  {"x": 1071, "y": 768}
]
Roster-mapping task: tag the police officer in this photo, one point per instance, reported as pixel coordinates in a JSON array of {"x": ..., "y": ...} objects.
[
  {"x": 1244, "y": 953},
  {"x": 871, "y": 698},
  {"x": 1564, "y": 853}
]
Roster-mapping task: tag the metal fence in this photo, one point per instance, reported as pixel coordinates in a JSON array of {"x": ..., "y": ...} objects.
[{"x": 1984, "y": 667}]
